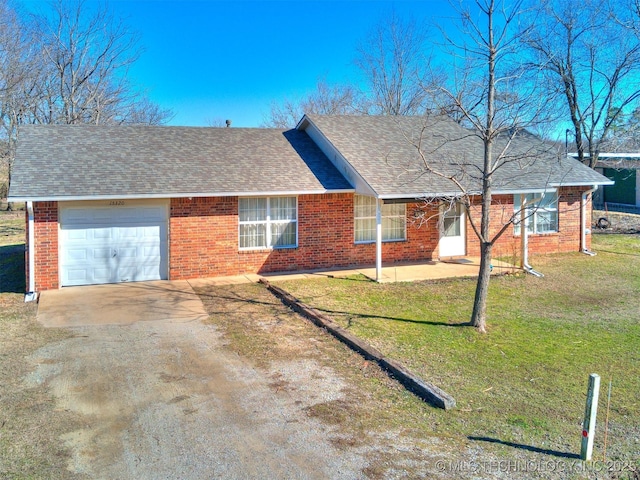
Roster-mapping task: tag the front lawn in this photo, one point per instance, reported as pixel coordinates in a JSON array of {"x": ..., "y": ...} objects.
[{"x": 523, "y": 384}]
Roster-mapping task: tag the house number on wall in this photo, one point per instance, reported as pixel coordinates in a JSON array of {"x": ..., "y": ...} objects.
[{"x": 117, "y": 203}]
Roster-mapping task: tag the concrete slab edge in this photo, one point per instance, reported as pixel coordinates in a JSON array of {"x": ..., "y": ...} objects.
[{"x": 424, "y": 390}]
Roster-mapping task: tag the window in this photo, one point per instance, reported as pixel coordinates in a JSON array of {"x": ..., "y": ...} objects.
[
  {"x": 268, "y": 222},
  {"x": 394, "y": 220},
  {"x": 542, "y": 215}
]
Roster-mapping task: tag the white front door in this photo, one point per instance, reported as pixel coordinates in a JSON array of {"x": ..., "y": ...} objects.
[
  {"x": 452, "y": 234},
  {"x": 112, "y": 242}
]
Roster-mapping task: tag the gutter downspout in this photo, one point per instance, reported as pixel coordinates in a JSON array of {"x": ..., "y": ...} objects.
[
  {"x": 583, "y": 223},
  {"x": 524, "y": 236},
  {"x": 31, "y": 295},
  {"x": 378, "y": 240}
]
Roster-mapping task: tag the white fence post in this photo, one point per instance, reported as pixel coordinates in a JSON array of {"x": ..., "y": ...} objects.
[{"x": 590, "y": 412}]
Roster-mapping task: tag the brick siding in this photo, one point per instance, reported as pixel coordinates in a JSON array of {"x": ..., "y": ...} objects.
[
  {"x": 203, "y": 237},
  {"x": 45, "y": 216},
  {"x": 566, "y": 239}
]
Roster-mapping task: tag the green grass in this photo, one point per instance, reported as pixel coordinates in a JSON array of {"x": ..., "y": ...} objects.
[{"x": 525, "y": 381}]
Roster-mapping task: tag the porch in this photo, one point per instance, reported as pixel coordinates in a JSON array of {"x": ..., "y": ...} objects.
[{"x": 399, "y": 272}]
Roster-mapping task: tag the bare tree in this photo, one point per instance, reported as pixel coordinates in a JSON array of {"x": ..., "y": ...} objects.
[
  {"x": 18, "y": 70},
  {"x": 591, "y": 56},
  {"x": 485, "y": 93},
  {"x": 68, "y": 65},
  {"x": 393, "y": 62},
  {"x": 325, "y": 100},
  {"x": 85, "y": 54}
]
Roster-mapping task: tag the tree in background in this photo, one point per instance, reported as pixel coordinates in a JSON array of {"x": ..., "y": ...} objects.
[
  {"x": 326, "y": 99},
  {"x": 393, "y": 62},
  {"x": 590, "y": 53},
  {"x": 86, "y": 54},
  {"x": 68, "y": 66},
  {"x": 19, "y": 69}
]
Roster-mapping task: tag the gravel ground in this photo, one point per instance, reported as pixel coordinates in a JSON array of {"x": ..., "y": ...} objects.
[{"x": 165, "y": 400}]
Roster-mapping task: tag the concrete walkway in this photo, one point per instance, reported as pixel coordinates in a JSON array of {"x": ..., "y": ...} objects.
[{"x": 411, "y": 272}]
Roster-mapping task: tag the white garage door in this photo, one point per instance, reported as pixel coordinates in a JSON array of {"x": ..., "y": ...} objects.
[{"x": 112, "y": 242}]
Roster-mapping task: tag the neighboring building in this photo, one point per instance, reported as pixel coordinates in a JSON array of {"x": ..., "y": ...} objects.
[
  {"x": 131, "y": 203},
  {"x": 623, "y": 169}
]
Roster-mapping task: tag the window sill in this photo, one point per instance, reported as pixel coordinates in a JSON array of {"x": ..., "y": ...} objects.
[
  {"x": 538, "y": 234},
  {"x": 265, "y": 249},
  {"x": 369, "y": 242}
]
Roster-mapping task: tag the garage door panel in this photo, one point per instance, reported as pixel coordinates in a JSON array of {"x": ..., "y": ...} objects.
[
  {"x": 103, "y": 233},
  {"x": 75, "y": 255},
  {"x": 127, "y": 252},
  {"x": 110, "y": 245},
  {"x": 76, "y": 235},
  {"x": 76, "y": 275},
  {"x": 101, "y": 275},
  {"x": 127, "y": 233}
]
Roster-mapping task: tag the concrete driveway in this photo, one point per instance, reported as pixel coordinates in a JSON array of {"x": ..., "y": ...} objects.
[
  {"x": 120, "y": 304},
  {"x": 159, "y": 395}
]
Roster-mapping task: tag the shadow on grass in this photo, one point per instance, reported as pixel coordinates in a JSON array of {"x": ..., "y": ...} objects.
[
  {"x": 393, "y": 319},
  {"x": 226, "y": 294},
  {"x": 529, "y": 448},
  {"x": 619, "y": 253},
  {"x": 12, "y": 274}
]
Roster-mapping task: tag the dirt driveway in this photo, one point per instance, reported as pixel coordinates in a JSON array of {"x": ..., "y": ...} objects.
[{"x": 166, "y": 399}]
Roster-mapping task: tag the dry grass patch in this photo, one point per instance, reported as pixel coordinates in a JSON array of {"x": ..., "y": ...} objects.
[
  {"x": 258, "y": 327},
  {"x": 30, "y": 423}
]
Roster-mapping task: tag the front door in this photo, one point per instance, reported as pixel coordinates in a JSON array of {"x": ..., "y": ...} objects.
[{"x": 452, "y": 235}]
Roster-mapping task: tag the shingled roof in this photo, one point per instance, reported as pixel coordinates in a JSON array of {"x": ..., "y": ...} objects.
[
  {"x": 382, "y": 150},
  {"x": 58, "y": 162}
]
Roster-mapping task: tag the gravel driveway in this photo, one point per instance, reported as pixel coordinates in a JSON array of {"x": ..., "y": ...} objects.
[{"x": 166, "y": 400}]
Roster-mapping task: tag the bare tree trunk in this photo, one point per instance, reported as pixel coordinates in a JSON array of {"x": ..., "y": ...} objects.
[{"x": 479, "y": 315}]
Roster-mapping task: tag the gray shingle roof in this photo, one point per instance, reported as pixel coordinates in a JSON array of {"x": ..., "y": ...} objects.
[
  {"x": 382, "y": 149},
  {"x": 58, "y": 161}
]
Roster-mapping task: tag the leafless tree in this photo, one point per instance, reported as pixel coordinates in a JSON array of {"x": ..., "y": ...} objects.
[
  {"x": 86, "y": 53},
  {"x": 326, "y": 99},
  {"x": 591, "y": 56},
  {"x": 495, "y": 101},
  {"x": 68, "y": 65},
  {"x": 393, "y": 62},
  {"x": 18, "y": 73}
]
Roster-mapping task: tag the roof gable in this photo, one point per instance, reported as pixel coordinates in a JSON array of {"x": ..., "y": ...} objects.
[{"x": 382, "y": 149}]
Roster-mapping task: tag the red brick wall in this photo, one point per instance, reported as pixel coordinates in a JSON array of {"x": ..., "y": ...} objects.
[
  {"x": 204, "y": 239},
  {"x": 46, "y": 245},
  {"x": 567, "y": 239}
]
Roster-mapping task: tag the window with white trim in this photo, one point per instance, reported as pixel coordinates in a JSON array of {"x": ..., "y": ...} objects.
[
  {"x": 542, "y": 215},
  {"x": 394, "y": 220},
  {"x": 268, "y": 222}
]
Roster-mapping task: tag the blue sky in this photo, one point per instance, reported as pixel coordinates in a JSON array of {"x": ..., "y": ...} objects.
[{"x": 211, "y": 60}]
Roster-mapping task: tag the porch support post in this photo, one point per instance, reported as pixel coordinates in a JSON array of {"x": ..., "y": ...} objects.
[{"x": 378, "y": 240}]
